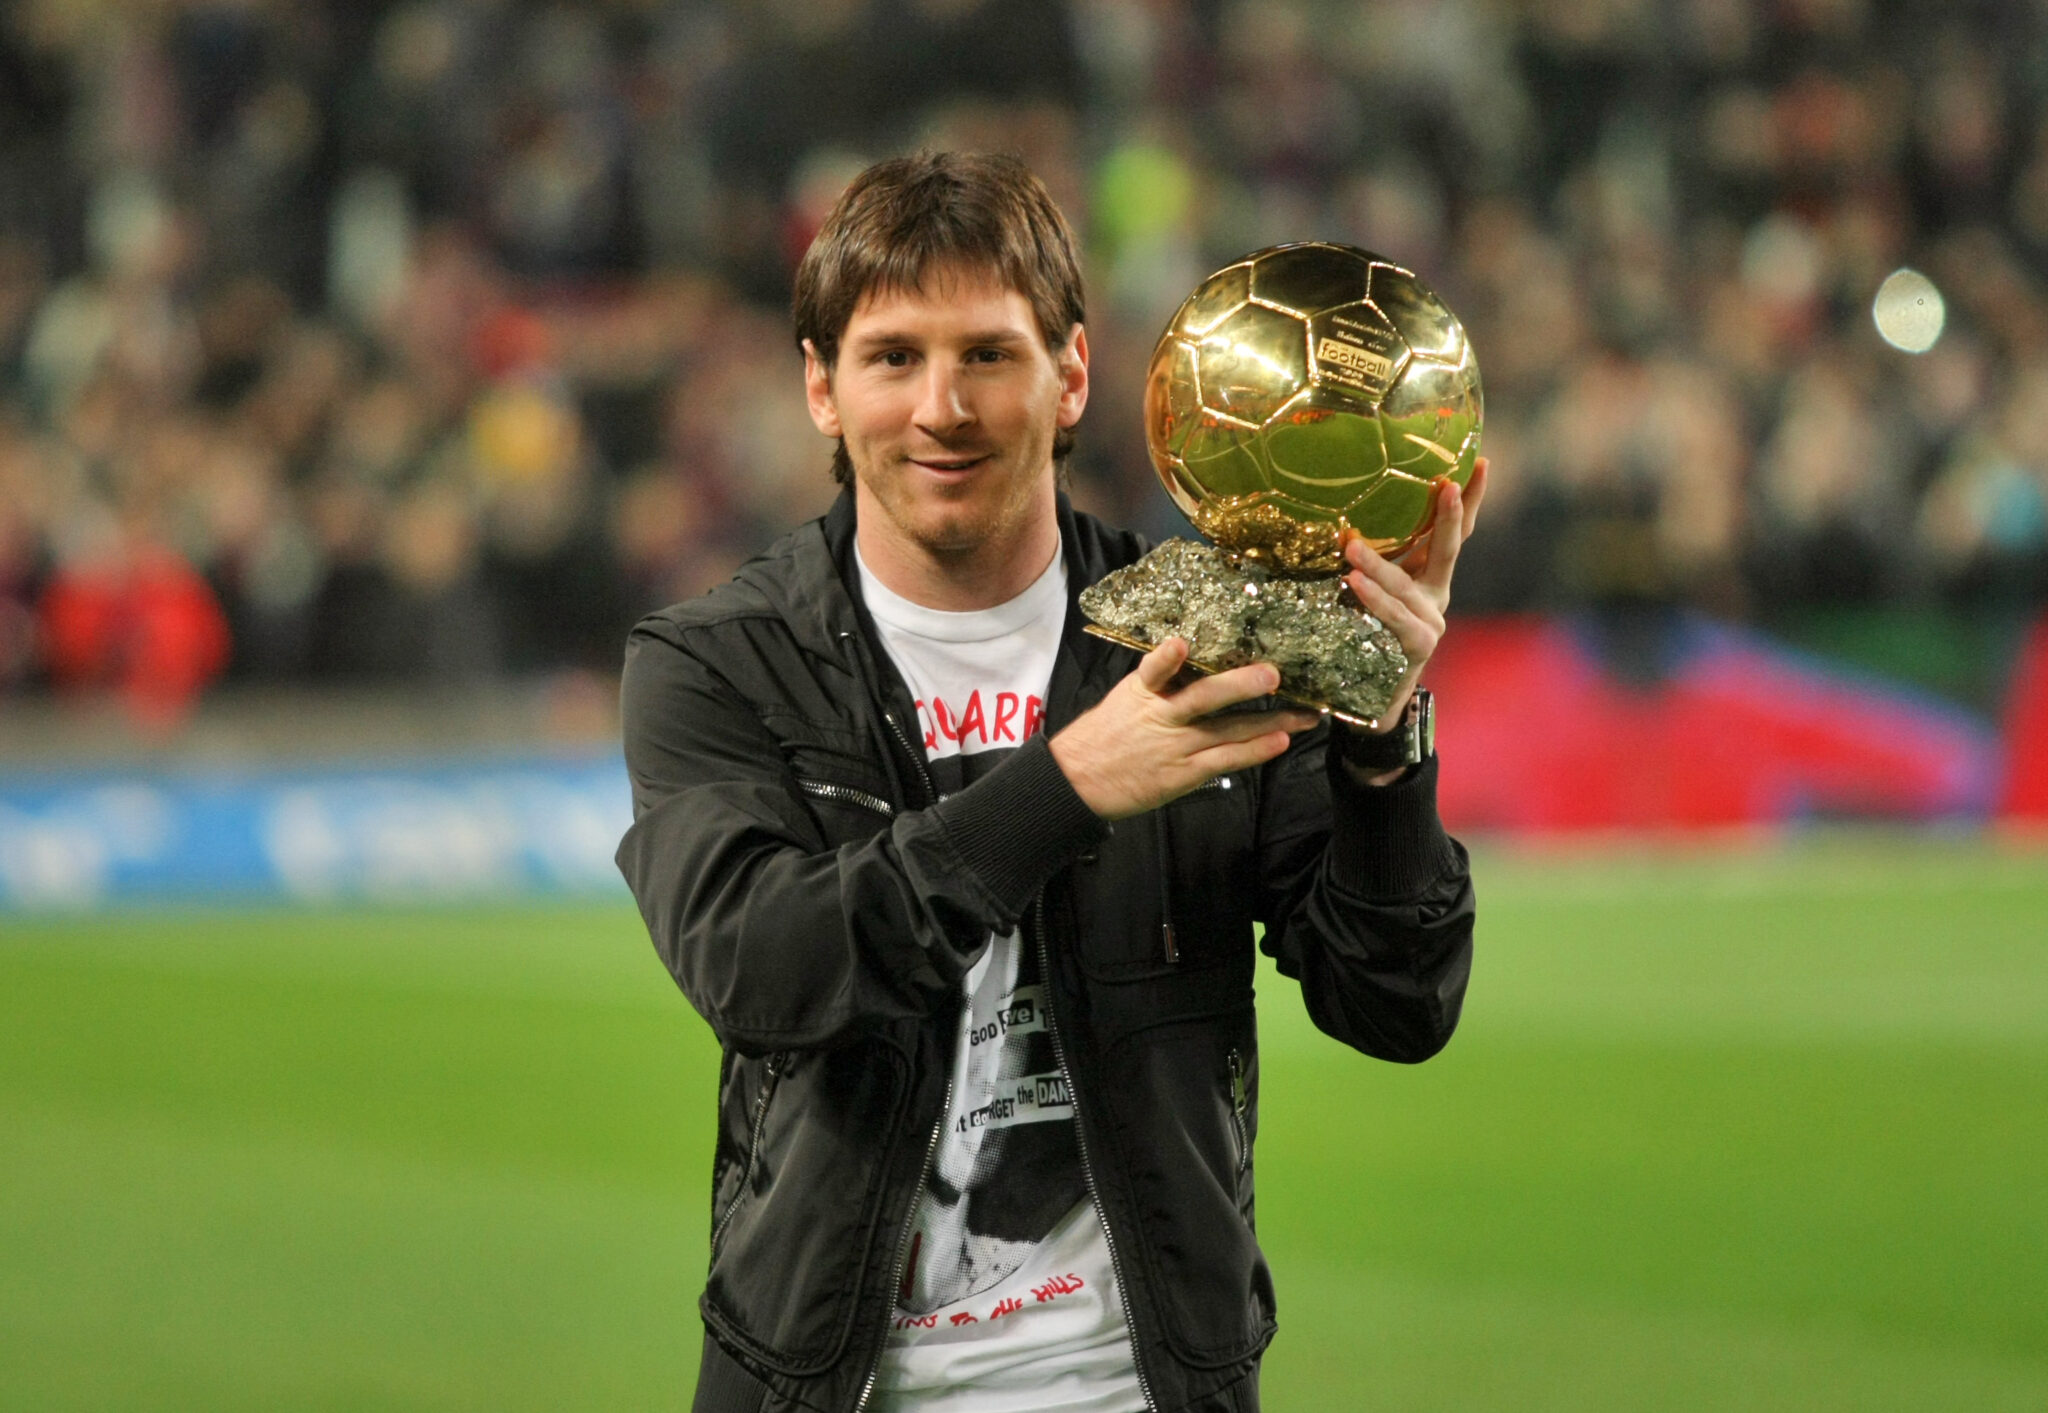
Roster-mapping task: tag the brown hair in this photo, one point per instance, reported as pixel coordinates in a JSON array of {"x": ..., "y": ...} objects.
[{"x": 903, "y": 218}]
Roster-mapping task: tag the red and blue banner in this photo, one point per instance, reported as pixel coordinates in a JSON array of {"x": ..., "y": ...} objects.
[{"x": 1542, "y": 732}]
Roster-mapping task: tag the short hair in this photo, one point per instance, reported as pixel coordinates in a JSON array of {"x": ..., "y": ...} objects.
[{"x": 903, "y": 218}]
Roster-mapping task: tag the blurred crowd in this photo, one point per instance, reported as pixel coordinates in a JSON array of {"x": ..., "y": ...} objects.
[{"x": 436, "y": 340}]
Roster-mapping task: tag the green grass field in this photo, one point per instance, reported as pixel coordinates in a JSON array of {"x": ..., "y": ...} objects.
[{"x": 1726, "y": 1132}]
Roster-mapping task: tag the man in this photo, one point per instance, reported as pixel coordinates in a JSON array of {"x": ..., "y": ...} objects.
[{"x": 969, "y": 898}]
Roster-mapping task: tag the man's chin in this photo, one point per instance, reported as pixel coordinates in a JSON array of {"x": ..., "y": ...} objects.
[{"x": 954, "y": 536}]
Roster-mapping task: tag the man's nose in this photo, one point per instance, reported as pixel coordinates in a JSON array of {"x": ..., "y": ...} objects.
[{"x": 943, "y": 405}]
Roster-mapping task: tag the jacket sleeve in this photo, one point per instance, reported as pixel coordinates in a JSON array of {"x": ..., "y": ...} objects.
[
  {"x": 779, "y": 939},
  {"x": 1368, "y": 902}
]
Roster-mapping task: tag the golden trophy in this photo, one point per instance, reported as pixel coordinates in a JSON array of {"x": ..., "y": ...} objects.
[{"x": 1301, "y": 393}]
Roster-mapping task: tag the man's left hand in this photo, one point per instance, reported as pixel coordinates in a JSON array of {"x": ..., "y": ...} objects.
[{"x": 1412, "y": 596}]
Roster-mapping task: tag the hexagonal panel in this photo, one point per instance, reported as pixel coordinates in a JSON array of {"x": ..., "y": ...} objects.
[
  {"x": 1429, "y": 414},
  {"x": 1303, "y": 510},
  {"x": 1354, "y": 349},
  {"x": 1172, "y": 400},
  {"x": 1391, "y": 514},
  {"x": 1181, "y": 487},
  {"x": 1324, "y": 451},
  {"x": 1223, "y": 459},
  {"x": 1428, "y": 384},
  {"x": 1413, "y": 308},
  {"x": 1419, "y": 454},
  {"x": 1309, "y": 278},
  {"x": 1467, "y": 454},
  {"x": 1214, "y": 299},
  {"x": 1252, "y": 362}
]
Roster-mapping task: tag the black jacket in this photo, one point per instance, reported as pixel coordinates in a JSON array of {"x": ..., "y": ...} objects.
[{"x": 819, "y": 909}]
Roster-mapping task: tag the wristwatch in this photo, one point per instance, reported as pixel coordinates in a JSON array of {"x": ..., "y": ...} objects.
[{"x": 1409, "y": 743}]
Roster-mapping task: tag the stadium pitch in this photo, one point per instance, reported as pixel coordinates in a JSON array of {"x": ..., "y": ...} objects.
[{"x": 1719, "y": 1132}]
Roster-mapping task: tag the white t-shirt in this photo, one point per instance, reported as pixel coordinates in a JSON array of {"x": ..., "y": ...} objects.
[{"x": 1009, "y": 1297}]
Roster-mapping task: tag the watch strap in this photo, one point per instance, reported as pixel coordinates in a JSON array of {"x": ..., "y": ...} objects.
[{"x": 1412, "y": 741}]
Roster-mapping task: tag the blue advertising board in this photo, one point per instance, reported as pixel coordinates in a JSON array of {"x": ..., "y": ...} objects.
[{"x": 375, "y": 832}]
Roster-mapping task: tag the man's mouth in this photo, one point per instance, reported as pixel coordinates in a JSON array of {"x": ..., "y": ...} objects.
[{"x": 950, "y": 464}]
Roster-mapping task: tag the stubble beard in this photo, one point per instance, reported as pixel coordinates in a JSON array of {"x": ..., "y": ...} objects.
[{"x": 955, "y": 532}]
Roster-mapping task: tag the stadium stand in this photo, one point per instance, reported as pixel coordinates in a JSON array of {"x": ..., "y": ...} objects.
[{"x": 427, "y": 344}]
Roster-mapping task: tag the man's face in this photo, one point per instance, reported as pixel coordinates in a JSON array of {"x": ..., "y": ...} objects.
[{"x": 948, "y": 399}]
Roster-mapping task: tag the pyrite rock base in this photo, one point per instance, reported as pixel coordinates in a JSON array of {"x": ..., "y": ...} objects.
[{"x": 1233, "y": 612}]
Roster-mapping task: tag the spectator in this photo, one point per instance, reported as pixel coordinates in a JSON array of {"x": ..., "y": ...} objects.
[{"x": 438, "y": 339}]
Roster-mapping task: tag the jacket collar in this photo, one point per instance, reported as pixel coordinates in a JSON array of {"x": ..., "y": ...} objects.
[{"x": 813, "y": 584}]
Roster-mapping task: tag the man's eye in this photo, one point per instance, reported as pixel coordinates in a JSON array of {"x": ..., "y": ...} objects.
[
  {"x": 896, "y": 358},
  {"x": 987, "y": 355}
]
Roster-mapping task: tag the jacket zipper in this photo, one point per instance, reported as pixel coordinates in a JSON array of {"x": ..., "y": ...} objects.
[
  {"x": 1059, "y": 1050},
  {"x": 768, "y": 1085},
  {"x": 931, "y": 792},
  {"x": 847, "y": 795},
  {"x": 916, "y": 756},
  {"x": 924, "y": 1174},
  {"x": 1237, "y": 1109}
]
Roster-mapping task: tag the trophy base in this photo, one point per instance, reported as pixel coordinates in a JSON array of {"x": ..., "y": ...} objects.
[{"x": 1332, "y": 657}]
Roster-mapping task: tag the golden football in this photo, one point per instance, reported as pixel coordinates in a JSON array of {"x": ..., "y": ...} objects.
[{"x": 1305, "y": 389}]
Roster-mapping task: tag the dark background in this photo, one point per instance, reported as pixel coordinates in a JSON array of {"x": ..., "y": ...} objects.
[{"x": 433, "y": 342}]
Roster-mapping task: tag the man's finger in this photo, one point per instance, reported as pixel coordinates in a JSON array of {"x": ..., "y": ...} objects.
[
  {"x": 1429, "y": 548},
  {"x": 1359, "y": 554},
  {"x": 1415, "y": 558},
  {"x": 1475, "y": 492},
  {"x": 1397, "y": 580},
  {"x": 1157, "y": 669},
  {"x": 1206, "y": 695},
  {"x": 1407, "y": 621},
  {"x": 1446, "y": 536},
  {"x": 1240, "y": 755},
  {"x": 1472, "y": 495},
  {"x": 1244, "y": 726}
]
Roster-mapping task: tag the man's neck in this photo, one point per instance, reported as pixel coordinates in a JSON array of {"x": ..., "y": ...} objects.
[{"x": 978, "y": 578}]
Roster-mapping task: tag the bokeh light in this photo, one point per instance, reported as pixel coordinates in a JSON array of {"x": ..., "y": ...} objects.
[{"x": 1909, "y": 311}]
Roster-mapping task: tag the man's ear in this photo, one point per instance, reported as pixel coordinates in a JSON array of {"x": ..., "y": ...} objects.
[
  {"x": 818, "y": 391},
  {"x": 1073, "y": 370}
]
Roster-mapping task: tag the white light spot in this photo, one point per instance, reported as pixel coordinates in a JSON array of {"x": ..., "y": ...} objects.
[
  {"x": 50, "y": 863},
  {"x": 1909, "y": 311}
]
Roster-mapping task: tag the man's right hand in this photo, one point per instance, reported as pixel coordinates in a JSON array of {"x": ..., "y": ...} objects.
[{"x": 1149, "y": 741}]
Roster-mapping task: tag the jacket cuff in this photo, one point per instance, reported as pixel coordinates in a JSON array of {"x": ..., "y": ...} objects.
[
  {"x": 1386, "y": 842},
  {"x": 1019, "y": 825}
]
